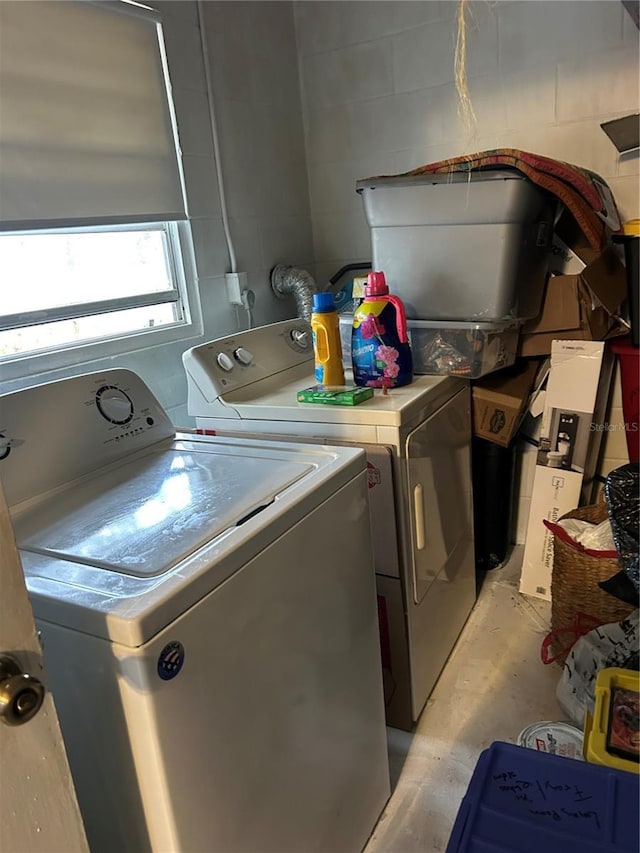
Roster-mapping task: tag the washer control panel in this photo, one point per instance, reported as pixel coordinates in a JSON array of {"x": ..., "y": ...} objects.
[
  {"x": 59, "y": 431},
  {"x": 230, "y": 363}
]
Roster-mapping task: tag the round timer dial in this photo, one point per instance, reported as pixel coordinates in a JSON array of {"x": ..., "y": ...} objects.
[{"x": 114, "y": 405}]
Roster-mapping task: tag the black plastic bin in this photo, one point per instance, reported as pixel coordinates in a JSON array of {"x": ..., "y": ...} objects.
[
  {"x": 493, "y": 476},
  {"x": 631, "y": 243}
]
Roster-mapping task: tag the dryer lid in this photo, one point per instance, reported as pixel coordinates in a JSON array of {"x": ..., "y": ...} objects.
[{"x": 143, "y": 517}]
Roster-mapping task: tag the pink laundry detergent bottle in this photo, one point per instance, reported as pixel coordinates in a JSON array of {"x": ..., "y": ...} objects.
[{"x": 380, "y": 349}]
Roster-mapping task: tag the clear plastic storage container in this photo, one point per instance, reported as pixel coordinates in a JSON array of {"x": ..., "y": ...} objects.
[
  {"x": 443, "y": 347},
  {"x": 469, "y": 350}
]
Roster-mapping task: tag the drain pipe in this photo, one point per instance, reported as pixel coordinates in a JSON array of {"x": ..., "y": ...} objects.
[{"x": 292, "y": 281}]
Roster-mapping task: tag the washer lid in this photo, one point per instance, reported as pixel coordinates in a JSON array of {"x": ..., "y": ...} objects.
[
  {"x": 145, "y": 516},
  {"x": 122, "y": 553}
]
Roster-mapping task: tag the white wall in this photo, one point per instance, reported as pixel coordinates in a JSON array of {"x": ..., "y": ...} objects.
[
  {"x": 379, "y": 96},
  {"x": 254, "y": 73}
]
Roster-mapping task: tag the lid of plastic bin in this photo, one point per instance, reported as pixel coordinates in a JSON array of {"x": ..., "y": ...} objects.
[
  {"x": 526, "y": 801},
  {"x": 439, "y": 179}
]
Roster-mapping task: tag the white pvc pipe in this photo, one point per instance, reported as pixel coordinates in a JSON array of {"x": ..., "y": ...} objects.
[{"x": 214, "y": 133}]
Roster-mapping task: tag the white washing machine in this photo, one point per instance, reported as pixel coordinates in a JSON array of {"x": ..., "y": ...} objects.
[
  {"x": 208, "y": 616},
  {"x": 417, "y": 440}
]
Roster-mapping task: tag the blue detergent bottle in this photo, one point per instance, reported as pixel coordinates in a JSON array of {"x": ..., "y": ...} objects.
[{"x": 380, "y": 350}]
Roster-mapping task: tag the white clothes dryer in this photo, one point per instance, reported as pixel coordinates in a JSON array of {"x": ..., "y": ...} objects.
[
  {"x": 208, "y": 616},
  {"x": 418, "y": 444}
]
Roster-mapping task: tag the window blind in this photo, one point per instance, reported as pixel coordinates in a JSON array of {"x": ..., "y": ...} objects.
[{"x": 86, "y": 125}]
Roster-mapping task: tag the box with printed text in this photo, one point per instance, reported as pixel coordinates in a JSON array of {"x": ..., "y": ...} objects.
[
  {"x": 570, "y": 438},
  {"x": 500, "y": 401}
]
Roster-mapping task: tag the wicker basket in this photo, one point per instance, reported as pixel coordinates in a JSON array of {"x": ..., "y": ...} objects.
[{"x": 575, "y": 595}]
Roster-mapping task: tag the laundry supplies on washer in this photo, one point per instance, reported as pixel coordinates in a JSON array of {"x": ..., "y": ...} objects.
[
  {"x": 326, "y": 340},
  {"x": 380, "y": 349}
]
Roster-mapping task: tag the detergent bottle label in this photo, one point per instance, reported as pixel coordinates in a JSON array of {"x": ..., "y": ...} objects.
[
  {"x": 327, "y": 349},
  {"x": 380, "y": 359}
]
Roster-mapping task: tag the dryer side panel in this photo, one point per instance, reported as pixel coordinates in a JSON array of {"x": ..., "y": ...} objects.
[{"x": 441, "y": 576}]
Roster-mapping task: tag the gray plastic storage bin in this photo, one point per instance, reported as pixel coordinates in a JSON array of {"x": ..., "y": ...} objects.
[
  {"x": 461, "y": 246},
  {"x": 469, "y": 350}
]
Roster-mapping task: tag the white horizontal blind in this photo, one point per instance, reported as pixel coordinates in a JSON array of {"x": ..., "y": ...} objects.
[{"x": 86, "y": 132}]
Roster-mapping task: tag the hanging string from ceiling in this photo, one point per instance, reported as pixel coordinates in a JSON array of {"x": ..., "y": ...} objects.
[{"x": 465, "y": 107}]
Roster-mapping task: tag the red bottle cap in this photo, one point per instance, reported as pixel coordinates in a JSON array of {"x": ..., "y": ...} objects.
[{"x": 376, "y": 285}]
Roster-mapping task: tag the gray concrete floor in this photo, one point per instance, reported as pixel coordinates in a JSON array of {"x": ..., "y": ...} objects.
[{"x": 493, "y": 685}]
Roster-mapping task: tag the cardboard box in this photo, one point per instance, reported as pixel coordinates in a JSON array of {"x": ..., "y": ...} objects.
[
  {"x": 500, "y": 402},
  {"x": 570, "y": 436},
  {"x": 561, "y": 260},
  {"x": 571, "y": 233},
  {"x": 578, "y": 307}
]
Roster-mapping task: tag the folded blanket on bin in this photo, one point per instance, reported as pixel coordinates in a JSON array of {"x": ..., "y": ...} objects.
[{"x": 584, "y": 193}]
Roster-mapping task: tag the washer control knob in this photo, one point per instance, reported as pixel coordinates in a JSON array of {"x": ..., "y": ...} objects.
[
  {"x": 224, "y": 361},
  {"x": 114, "y": 405},
  {"x": 243, "y": 356}
]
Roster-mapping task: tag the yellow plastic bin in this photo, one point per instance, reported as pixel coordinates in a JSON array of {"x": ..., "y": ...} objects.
[{"x": 612, "y": 735}]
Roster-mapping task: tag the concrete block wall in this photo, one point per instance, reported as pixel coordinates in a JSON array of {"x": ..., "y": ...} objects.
[
  {"x": 253, "y": 64},
  {"x": 254, "y": 74},
  {"x": 379, "y": 97}
]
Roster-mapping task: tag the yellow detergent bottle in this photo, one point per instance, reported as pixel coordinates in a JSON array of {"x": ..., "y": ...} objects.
[{"x": 326, "y": 340}]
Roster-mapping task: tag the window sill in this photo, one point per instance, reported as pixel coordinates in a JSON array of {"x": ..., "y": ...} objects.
[{"x": 21, "y": 367}]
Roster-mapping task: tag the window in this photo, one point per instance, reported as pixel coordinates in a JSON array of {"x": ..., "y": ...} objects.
[
  {"x": 90, "y": 178},
  {"x": 76, "y": 285}
]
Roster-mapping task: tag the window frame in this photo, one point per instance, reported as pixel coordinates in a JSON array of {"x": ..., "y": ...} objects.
[
  {"x": 33, "y": 362},
  {"x": 76, "y": 310},
  {"x": 16, "y": 368}
]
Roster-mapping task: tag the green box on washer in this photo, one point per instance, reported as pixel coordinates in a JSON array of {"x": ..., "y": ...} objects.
[{"x": 339, "y": 395}]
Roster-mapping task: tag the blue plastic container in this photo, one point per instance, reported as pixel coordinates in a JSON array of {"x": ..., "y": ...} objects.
[{"x": 523, "y": 801}]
